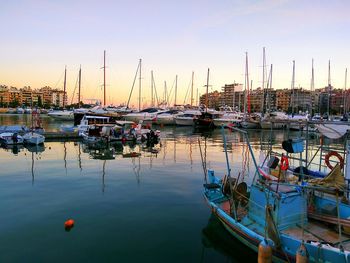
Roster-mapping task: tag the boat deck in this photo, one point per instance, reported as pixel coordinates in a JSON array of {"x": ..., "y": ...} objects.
[{"x": 319, "y": 232}]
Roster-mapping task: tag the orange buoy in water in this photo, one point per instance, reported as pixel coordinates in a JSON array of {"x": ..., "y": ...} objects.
[
  {"x": 264, "y": 252},
  {"x": 302, "y": 255},
  {"x": 69, "y": 224}
]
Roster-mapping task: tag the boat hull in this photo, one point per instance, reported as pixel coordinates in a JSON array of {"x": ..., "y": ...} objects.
[{"x": 184, "y": 121}]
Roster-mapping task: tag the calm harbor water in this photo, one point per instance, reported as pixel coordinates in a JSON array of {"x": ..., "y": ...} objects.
[{"x": 142, "y": 209}]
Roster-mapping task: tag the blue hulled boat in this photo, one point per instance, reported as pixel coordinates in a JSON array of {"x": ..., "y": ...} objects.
[{"x": 270, "y": 216}]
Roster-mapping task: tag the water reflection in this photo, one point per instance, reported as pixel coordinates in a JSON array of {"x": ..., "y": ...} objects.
[{"x": 217, "y": 241}]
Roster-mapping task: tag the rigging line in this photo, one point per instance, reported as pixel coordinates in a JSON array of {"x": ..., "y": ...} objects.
[
  {"x": 188, "y": 88},
  {"x": 169, "y": 94},
  {"x": 133, "y": 84},
  {"x": 59, "y": 80},
  {"x": 155, "y": 91},
  {"x": 75, "y": 87}
]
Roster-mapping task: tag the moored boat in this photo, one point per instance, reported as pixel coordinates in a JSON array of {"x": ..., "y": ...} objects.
[
  {"x": 9, "y": 138},
  {"x": 273, "y": 216},
  {"x": 187, "y": 117},
  {"x": 33, "y": 138},
  {"x": 62, "y": 115}
]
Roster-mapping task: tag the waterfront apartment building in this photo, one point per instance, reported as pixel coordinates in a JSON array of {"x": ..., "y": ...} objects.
[
  {"x": 46, "y": 96},
  {"x": 287, "y": 100},
  {"x": 230, "y": 94}
]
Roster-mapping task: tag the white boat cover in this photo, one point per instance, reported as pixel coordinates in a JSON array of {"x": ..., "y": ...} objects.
[{"x": 333, "y": 131}]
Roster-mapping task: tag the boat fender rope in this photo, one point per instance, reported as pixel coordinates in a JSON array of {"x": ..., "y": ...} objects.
[
  {"x": 284, "y": 163},
  {"x": 336, "y": 154}
]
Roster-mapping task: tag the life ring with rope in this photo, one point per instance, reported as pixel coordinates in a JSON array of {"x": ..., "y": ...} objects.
[
  {"x": 336, "y": 154},
  {"x": 284, "y": 163}
]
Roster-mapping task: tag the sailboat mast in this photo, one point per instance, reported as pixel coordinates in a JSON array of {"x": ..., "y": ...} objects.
[
  {"x": 140, "y": 86},
  {"x": 207, "y": 96},
  {"x": 329, "y": 88},
  {"x": 312, "y": 85},
  {"x": 152, "y": 101},
  {"x": 345, "y": 93},
  {"x": 293, "y": 83},
  {"x": 175, "y": 90},
  {"x": 104, "y": 78},
  {"x": 79, "y": 99},
  {"x": 248, "y": 88},
  {"x": 263, "y": 82},
  {"x": 64, "y": 87},
  {"x": 192, "y": 88}
]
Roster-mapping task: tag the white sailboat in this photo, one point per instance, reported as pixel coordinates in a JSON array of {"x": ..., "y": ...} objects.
[{"x": 63, "y": 115}]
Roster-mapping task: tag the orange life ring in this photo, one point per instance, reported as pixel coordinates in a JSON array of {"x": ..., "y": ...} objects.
[
  {"x": 336, "y": 154},
  {"x": 284, "y": 163}
]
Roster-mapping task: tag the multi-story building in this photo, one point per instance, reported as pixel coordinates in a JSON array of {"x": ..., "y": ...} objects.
[
  {"x": 4, "y": 96},
  {"x": 213, "y": 99},
  {"x": 230, "y": 94},
  {"x": 283, "y": 99}
]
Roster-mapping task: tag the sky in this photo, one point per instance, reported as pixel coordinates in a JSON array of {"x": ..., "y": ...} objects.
[{"x": 39, "y": 38}]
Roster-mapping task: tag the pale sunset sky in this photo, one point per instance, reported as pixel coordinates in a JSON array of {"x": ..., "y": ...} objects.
[{"x": 172, "y": 38}]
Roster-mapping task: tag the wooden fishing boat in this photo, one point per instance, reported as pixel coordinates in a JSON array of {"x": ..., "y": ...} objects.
[{"x": 268, "y": 216}]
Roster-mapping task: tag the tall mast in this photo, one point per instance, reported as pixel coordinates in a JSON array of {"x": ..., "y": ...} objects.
[
  {"x": 312, "y": 85},
  {"x": 152, "y": 99},
  {"x": 270, "y": 87},
  {"x": 140, "y": 85},
  {"x": 165, "y": 94},
  {"x": 79, "y": 87},
  {"x": 233, "y": 95},
  {"x": 329, "y": 88},
  {"x": 292, "y": 86},
  {"x": 206, "y": 95},
  {"x": 104, "y": 78},
  {"x": 64, "y": 87},
  {"x": 263, "y": 82},
  {"x": 192, "y": 89},
  {"x": 175, "y": 90},
  {"x": 345, "y": 97},
  {"x": 246, "y": 89}
]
